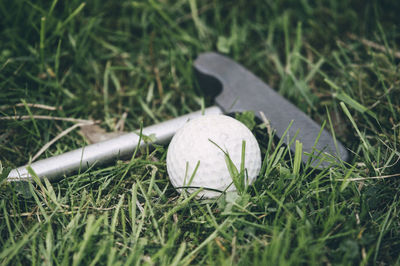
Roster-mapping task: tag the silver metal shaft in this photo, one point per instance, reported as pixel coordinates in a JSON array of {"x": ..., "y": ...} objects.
[{"x": 120, "y": 147}]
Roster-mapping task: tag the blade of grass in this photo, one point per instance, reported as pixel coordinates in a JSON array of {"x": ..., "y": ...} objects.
[
  {"x": 92, "y": 227},
  {"x": 61, "y": 25},
  {"x": 188, "y": 258},
  {"x": 42, "y": 41},
  {"x": 297, "y": 157},
  {"x": 8, "y": 254},
  {"x": 35, "y": 126}
]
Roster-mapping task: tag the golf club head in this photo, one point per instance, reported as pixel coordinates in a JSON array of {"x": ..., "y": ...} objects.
[{"x": 238, "y": 90}]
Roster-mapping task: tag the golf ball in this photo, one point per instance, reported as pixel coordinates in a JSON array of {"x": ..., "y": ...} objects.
[{"x": 197, "y": 154}]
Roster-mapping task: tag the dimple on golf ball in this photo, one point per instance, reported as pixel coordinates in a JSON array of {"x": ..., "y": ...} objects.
[{"x": 199, "y": 143}]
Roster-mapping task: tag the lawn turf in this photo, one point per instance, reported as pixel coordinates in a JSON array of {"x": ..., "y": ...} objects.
[{"x": 336, "y": 60}]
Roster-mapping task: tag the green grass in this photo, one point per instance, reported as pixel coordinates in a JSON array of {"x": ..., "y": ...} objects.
[{"x": 100, "y": 59}]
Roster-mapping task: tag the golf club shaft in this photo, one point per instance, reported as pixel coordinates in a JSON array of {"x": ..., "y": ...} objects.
[{"x": 120, "y": 147}]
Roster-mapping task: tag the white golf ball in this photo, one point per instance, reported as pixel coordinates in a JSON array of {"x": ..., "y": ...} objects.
[{"x": 195, "y": 144}]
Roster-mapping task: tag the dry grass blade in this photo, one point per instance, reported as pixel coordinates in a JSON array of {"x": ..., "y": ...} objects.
[
  {"x": 59, "y": 136},
  {"x": 46, "y": 117},
  {"x": 369, "y": 178},
  {"x": 93, "y": 133},
  {"x": 121, "y": 123},
  {"x": 33, "y": 105},
  {"x": 374, "y": 45},
  {"x": 266, "y": 123}
]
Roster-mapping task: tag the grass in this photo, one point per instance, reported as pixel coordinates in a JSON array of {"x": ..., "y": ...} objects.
[{"x": 100, "y": 59}]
